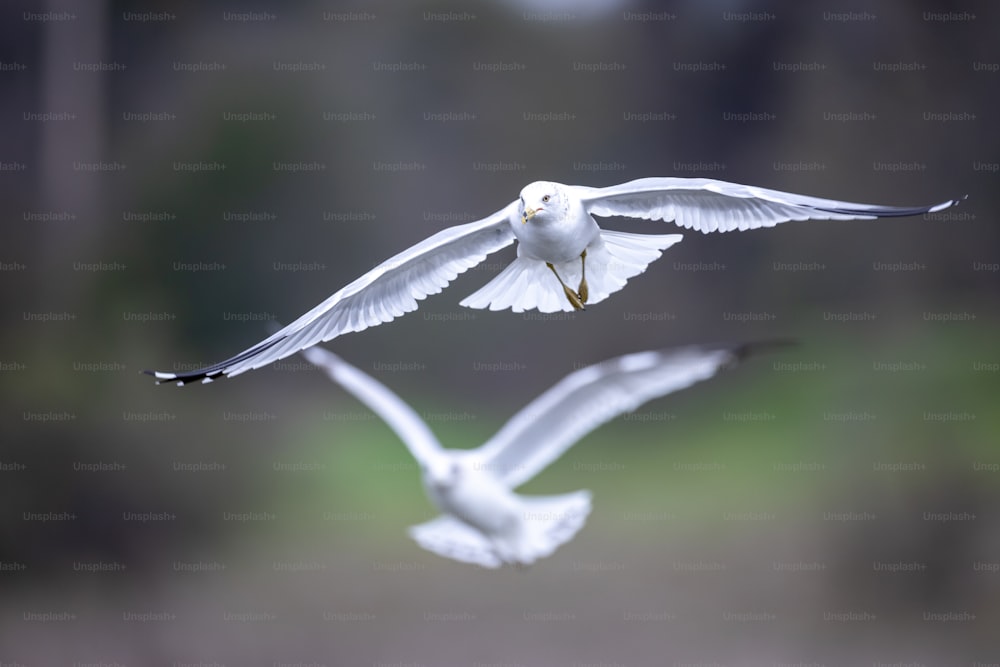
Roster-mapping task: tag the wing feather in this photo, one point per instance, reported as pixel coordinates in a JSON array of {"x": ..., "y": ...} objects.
[
  {"x": 388, "y": 291},
  {"x": 709, "y": 205},
  {"x": 400, "y": 417},
  {"x": 587, "y": 398}
]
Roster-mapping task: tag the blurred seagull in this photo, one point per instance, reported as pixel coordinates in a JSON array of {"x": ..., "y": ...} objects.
[
  {"x": 564, "y": 259},
  {"x": 484, "y": 521}
]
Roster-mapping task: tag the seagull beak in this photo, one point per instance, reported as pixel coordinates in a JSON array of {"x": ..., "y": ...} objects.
[{"x": 528, "y": 214}]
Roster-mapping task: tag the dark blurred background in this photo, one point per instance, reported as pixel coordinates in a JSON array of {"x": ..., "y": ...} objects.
[{"x": 175, "y": 175}]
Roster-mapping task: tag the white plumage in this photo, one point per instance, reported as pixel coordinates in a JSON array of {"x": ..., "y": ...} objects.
[
  {"x": 553, "y": 224},
  {"x": 483, "y": 520}
]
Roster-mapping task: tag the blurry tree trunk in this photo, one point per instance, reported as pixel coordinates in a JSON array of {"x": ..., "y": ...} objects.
[{"x": 83, "y": 139}]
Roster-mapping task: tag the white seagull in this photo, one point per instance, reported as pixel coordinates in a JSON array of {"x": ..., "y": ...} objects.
[
  {"x": 483, "y": 520},
  {"x": 564, "y": 259}
]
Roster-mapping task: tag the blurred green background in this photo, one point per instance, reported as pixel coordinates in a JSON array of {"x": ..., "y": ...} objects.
[{"x": 834, "y": 503}]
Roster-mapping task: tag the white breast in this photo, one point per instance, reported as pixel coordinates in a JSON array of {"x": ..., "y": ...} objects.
[
  {"x": 556, "y": 240},
  {"x": 480, "y": 501}
]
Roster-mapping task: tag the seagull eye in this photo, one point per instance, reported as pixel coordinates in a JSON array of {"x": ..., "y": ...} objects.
[{"x": 546, "y": 199}]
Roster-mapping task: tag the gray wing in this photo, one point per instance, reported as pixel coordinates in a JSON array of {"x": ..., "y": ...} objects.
[
  {"x": 587, "y": 398},
  {"x": 389, "y": 290},
  {"x": 708, "y": 205}
]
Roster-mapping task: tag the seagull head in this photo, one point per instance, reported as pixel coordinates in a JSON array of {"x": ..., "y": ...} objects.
[
  {"x": 442, "y": 474},
  {"x": 541, "y": 201}
]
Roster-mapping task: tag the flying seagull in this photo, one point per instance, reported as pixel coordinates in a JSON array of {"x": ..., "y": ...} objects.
[
  {"x": 483, "y": 520},
  {"x": 564, "y": 259}
]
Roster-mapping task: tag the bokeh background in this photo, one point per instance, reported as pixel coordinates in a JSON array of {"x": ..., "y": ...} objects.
[{"x": 175, "y": 175}]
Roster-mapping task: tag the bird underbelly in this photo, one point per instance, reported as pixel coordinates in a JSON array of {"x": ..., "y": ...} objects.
[
  {"x": 489, "y": 510},
  {"x": 555, "y": 243}
]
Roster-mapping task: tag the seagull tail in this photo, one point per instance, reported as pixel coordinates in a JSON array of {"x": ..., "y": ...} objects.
[
  {"x": 618, "y": 256},
  {"x": 613, "y": 258},
  {"x": 526, "y": 284},
  {"x": 449, "y": 537},
  {"x": 550, "y": 522}
]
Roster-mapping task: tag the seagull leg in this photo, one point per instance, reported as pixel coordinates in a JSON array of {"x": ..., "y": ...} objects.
[
  {"x": 574, "y": 298},
  {"x": 583, "y": 292}
]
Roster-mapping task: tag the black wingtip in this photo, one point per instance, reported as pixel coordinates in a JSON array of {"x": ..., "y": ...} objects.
[
  {"x": 183, "y": 379},
  {"x": 896, "y": 211},
  {"x": 156, "y": 375},
  {"x": 215, "y": 371},
  {"x": 947, "y": 204},
  {"x": 151, "y": 373}
]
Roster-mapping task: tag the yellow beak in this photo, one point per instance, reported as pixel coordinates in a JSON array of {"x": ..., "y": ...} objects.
[{"x": 528, "y": 214}]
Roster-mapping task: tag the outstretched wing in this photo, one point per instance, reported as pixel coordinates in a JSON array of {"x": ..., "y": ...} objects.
[
  {"x": 587, "y": 398},
  {"x": 389, "y": 290},
  {"x": 708, "y": 205},
  {"x": 400, "y": 417}
]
